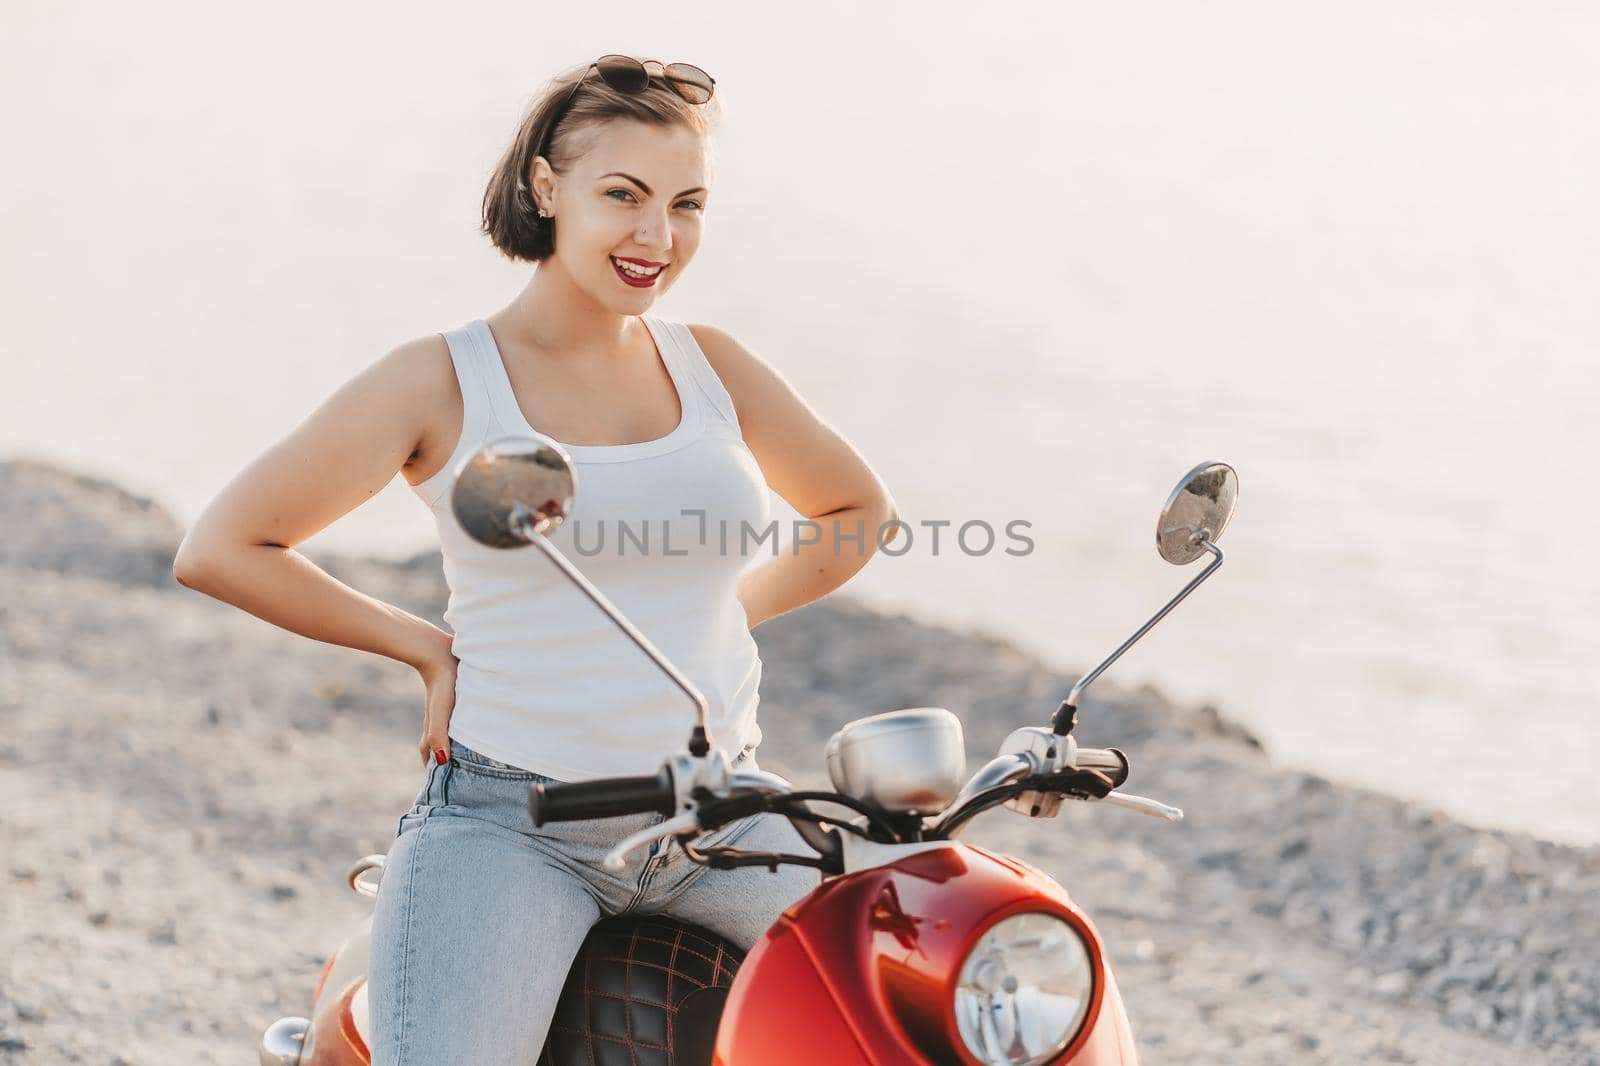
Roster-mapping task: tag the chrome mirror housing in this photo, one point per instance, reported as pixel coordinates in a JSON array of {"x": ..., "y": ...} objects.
[{"x": 907, "y": 761}]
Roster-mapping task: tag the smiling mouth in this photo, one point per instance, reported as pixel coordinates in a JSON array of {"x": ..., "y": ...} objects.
[{"x": 636, "y": 275}]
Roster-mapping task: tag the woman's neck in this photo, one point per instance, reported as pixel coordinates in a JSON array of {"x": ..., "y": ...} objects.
[{"x": 553, "y": 316}]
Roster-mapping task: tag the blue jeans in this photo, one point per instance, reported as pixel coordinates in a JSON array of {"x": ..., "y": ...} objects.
[{"x": 479, "y": 914}]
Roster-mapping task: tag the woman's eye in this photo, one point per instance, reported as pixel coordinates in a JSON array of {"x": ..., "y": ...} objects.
[{"x": 698, "y": 206}]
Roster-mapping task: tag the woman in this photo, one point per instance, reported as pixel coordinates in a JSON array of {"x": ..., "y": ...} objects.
[{"x": 670, "y": 426}]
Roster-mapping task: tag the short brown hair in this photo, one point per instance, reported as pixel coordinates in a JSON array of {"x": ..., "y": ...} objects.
[{"x": 510, "y": 217}]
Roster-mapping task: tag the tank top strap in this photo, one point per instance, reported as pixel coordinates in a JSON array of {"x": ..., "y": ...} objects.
[
  {"x": 504, "y": 411},
  {"x": 477, "y": 413},
  {"x": 692, "y": 358}
]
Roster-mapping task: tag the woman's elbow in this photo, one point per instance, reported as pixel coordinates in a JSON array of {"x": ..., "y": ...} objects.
[
  {"x": 196, "y": 559},
  {"x": 888, "y": 516},
  {"x": 188, "y": 565}
]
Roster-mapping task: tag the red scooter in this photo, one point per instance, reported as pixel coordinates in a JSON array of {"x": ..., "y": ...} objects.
[{"x": 915, "y": 947}]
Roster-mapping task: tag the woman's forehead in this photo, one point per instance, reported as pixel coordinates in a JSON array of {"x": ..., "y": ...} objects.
[{"x": 671, "y": 157}]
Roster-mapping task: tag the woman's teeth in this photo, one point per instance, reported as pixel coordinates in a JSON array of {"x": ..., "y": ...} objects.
[{"x": 636, "y": 271}]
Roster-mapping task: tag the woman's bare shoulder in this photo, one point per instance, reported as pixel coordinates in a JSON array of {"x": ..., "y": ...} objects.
[
  {"x": 421, "y": 369},
  {"x": 722, "y": 349},
  {"x": 421, "y": 363}
]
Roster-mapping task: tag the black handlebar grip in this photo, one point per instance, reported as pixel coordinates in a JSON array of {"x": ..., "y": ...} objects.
[{"x": 606, "y": 797}]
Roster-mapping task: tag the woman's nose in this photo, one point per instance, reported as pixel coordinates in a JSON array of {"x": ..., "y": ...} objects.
[{"x": 655, "y": 230}]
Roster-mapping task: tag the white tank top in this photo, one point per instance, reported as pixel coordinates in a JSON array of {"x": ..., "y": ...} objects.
[{"x": 546, "y": 681}]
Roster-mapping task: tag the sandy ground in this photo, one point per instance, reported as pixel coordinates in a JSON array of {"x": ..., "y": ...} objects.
[{"x": 185, "y": 785}]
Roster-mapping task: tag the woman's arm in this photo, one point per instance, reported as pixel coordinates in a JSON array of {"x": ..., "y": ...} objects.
[
  {"x": 811, "y": 466},
  {"x": 241, "y": 548}
]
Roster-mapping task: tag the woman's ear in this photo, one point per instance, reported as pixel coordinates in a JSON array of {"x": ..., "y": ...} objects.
[{"x": 541, "y": 184}]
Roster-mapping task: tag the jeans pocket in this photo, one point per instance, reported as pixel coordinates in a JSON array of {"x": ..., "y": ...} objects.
[
  {"x": 427, "y": 796},
  {"x": 427, "y": 793},
  {"x": 410, "y": 819}
]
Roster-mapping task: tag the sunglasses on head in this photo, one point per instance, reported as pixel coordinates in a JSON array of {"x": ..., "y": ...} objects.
[{"x": 629, "y": 75}]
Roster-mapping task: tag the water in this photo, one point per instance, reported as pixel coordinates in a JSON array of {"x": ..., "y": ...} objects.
[{"x": 1035, "y": 262}]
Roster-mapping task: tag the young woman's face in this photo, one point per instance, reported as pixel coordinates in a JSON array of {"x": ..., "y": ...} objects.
[{"x": 637, "y": 194}]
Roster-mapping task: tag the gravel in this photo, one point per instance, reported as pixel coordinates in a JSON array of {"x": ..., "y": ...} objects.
[{"x": 186, "y": 785}]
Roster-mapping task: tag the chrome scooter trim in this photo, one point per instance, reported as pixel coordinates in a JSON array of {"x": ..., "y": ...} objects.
[
  {"x": 283, "y": 1041},
  {"x": 523, "y": 521},
  {"x": 359, "y": 884},
  {"x": 1088, "y": 679},
  {"x": 1000, "y": 770}
]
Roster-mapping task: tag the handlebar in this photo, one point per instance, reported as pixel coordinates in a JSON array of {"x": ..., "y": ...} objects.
[
  {"x": 606, "y": 797},
  {"x": 1109, "y": 761},
  {"x": 615, "y": 796},
  {"x": 1012, "y": 769},
  {"x": 750, "y": 792}
]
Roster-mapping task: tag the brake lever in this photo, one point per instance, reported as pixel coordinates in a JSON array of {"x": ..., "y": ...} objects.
[
  {"x": 1153, "y": 808},
  {"x": 617, "y": 857}
]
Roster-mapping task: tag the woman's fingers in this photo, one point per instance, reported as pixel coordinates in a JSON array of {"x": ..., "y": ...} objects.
[
  {"x": 435, "y": 748},
  {"x": 435, "y": 743}
]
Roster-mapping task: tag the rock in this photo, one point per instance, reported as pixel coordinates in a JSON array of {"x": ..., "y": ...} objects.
[{"x": 74, "y": 523}]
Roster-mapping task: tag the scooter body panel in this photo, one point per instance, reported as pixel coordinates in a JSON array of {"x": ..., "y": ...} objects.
[
  {"x": 861, "y": 971},
  {"x": 335, "y": 1039},
  {"x": 864, "y": 969}
]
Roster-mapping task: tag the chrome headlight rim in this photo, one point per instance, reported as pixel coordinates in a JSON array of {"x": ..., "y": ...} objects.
[{"x": 1085, "y": 938}]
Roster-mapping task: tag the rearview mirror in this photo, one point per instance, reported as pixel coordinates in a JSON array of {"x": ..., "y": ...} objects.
[
  {"x": 512, "y": 486},
  {"x": 1191, "y": 521},
  {"x": 1197, "y": 512}
]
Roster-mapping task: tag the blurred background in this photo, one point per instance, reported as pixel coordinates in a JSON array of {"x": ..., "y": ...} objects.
[{"x": 1035, "y": 261}]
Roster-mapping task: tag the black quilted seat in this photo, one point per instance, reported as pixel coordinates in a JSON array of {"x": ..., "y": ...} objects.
[{"x": 645, "y": 990}]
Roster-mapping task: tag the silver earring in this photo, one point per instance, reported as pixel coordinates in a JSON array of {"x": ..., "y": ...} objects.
[{"x": 543, "y": 213}]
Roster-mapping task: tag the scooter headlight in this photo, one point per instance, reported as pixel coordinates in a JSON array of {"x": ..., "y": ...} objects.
[{"x": 1024, "y": 990}]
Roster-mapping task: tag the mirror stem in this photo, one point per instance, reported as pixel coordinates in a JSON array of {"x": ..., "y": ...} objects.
[
  {"x": 700, "y": 739},
  {"x": 1066, "y": 715}
]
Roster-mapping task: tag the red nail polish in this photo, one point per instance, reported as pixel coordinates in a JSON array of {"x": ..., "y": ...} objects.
[{"x": 438, "y": 756}]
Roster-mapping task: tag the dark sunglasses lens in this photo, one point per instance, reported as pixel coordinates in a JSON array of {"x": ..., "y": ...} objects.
[
  {"x": 694, "y": 84},
  {"x": 623, "y": 73}
]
